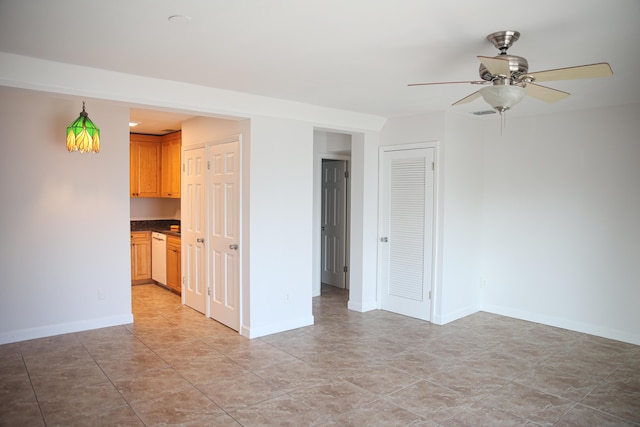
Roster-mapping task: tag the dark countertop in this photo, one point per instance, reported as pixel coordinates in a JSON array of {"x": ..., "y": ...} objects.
[{"x": 157, "y": 225}]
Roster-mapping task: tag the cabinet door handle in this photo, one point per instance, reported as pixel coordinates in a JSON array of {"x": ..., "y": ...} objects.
[
  {"x": 233, "y": 247},
  {"x": 200, "y": 240}
]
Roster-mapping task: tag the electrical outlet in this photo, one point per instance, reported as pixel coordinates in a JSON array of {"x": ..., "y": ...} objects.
[
  {"x": 483, "y": 283},
  {"x": 100, "y": 293},
  {"x": 286, "y": 297}
]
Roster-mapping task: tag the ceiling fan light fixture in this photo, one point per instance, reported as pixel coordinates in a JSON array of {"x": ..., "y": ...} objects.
[{"x": 502, "y": 97}]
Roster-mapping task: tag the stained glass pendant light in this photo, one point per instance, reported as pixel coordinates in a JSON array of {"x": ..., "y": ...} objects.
[{"x": 83, "y": 135}]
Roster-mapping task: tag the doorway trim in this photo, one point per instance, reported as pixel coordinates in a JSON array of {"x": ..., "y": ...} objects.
[
  {"x": 435, "y": 300},
  {"x": 317, "y": 276}
]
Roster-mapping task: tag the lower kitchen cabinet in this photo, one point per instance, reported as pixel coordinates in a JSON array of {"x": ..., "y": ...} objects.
[
  {"x": 174, "y": 264},
  {"x": 140, "y": 256}
]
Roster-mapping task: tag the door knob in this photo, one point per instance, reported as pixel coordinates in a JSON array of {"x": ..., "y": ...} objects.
[
  {"x": 200, "y": 240},
  {"x": 233, "y": 247},
  {"x": 384, "y": 239}
]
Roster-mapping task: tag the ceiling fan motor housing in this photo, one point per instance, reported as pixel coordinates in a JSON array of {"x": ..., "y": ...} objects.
[{"x": 517, "y": 65}]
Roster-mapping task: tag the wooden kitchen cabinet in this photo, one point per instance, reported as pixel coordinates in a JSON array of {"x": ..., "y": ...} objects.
[
  {"x": 170, "y": 177},
  {"x": 145, "y": 152},
  {"x": 140, "y": 256},
  {"x": 174, "y": 264}
]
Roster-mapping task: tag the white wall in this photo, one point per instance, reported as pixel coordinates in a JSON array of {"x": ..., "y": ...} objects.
[
  {"x": 461, "y": 218},
  {"x": 561, "y": 221},
  {"x": 364, "y": 222},
  {"x": 65, "y": 256},
  {"x": 281, "y": 221}
]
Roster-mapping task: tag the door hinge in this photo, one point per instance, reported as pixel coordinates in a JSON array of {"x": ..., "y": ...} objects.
[
  {"x": 208, "y": 291},
  {"x": 433, "y": 166},
  {"x": 346, "y": 174},
  {"x": 183, "y": 168},
  {"x": 208, "y": 164},
  {"x": 429, "y": 294},
  {"x": 345, "y": 269}
]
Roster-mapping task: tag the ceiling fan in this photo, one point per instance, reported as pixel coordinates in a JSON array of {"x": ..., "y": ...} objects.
[{"x": 511, "y": 80}]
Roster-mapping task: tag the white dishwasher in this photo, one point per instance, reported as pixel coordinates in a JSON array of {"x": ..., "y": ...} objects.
[{"x": 159, "y": 257}]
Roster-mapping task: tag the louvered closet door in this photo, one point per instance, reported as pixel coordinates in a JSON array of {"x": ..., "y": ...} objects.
[{"x": 406, "y": 231}]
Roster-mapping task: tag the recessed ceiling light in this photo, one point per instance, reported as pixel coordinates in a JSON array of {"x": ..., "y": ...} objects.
[
  {"x": 133, "y": 124},
  {"x": 179, "y": 19}
]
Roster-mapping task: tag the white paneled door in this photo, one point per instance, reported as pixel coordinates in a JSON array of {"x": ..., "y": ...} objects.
[
  {"x": 193, "y": 224},
  {"x": 334, "y": 215},
  {"x": 224, "y": 233},
  {"x": 406, "y": 231}
]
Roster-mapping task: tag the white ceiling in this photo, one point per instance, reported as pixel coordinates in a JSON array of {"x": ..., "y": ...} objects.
[{"x": 356, "y": 55}]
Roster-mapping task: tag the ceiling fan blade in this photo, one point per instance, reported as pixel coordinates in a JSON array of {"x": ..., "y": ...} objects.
[
  {"x": 473, "y": 82},
  {"x": 496, "y": 66},
  {"x": 591, "y": 71},
  {"x": 544, "y": 93},
  {"x": 475, "y": 95}
]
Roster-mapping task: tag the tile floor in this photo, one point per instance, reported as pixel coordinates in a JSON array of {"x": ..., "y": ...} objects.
[{"x": 174, "y": 367}]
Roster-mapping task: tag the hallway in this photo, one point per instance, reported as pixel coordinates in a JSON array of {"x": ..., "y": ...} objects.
[{"x": 175, "y": 367}]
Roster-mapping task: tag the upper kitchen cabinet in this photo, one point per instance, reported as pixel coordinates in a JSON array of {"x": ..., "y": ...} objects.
[
  {"x": 170, "y": 177},
  {"x": 145, "y": 153}
]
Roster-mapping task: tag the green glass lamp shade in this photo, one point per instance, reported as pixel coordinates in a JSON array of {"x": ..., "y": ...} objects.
[{"x": 83, "y": 135}]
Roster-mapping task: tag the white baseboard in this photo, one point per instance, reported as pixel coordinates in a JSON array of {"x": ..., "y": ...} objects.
[
  {"x": 274, "y": 328},
  {"x": 571, "y": 325},
  {"x": 367, "y": 306},
  {"x": 64, "y": 328},
  {"x": 443, "y": 319}
]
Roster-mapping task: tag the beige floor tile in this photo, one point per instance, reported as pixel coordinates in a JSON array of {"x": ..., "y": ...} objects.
[
  {"x": 278, "y": 412},
  {"x": 148, "y": 384},
  {"x": 61, "y": 379},
  {"x": 382, "y": 380},
  {"x": 528, "y": 403},
  {"x": 205, "y": 369},
  {"x": 379, "y": 413},
  {"x": 129, "y": 366},
  {"x": 582, "y": 416},
  {"x": 120, "y": 416},
  {"x": 21, "y": 413},
  {"x": 289, "y": 376},
  {"x": 81, "y": 402},
  {"x": 468, "y": 380},
  {"x": 418, "y": 363},
  {"x": 58, "y": 343},
  {"x": 43, "y": 362},
  {"x": 500, "y": 363},
  {"x": 240, "y": 391},
  {"x": 569, "y": 381},
  {"x": 186, "y": 407},
  {"x": 334, "y": 398},
  {"x": 260, "y": 357},
  {"x": 174, "y": 366},
  {"x": 430, "y": 401},
  {"x": 618, "y": 395},
  {"x": 481, "y": 416}
]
